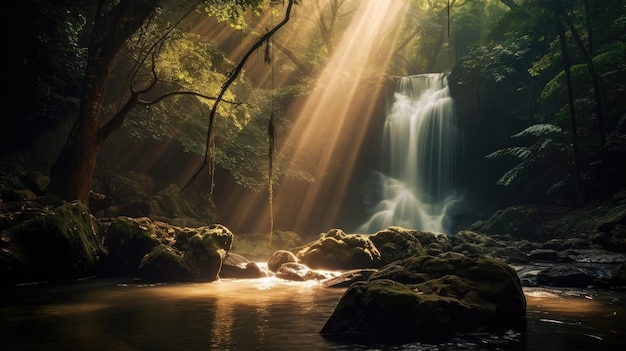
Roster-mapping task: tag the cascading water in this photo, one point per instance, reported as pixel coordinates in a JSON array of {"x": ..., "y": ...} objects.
[{"x": 420, "y": 145}]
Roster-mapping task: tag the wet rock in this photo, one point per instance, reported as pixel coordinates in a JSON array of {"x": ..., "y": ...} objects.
[
  {"x": 618, "y": 275},
  {"x": 347, "y": 278},
  {"x": 566, "y": 275},
  {"x": 237, "y": 266},
  {"x": 422, "y": 298},
  {"x": 594, "y": 256},
  {"x": 298, "y": 272},
  {"x": 279, "y": 258},
  {"x": 336, "y": 250},
  {"x": 566, "y": 244},
  {"x": 543, "y": 255}
]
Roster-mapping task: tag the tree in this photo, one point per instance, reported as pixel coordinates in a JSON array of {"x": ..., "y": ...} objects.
[{"x": 114, "y": 22}]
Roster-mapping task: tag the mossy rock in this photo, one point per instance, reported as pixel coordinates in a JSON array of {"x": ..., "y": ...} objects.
[
  {"x": 338, "y": 250},
  {"x": 429, "y": 298},
  {"x": 51, "y": 244},
  {"x": 164, "y": 264},
  {"x": 198, "y": 252},
  {"x": 127, "y": 241},
  {"x": 396, "y": 243}
]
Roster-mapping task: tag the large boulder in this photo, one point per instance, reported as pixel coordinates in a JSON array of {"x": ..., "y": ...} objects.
[
  {"x": 426, "y": 297},
  {"x": 48, "y": 244},
  {"x": 396, "y": 243},
  {"x": 196, "y": 255},
  {"x": 338, "y": 250},
  {"x": 128, "y": 240},
  {"x": 164, "y": 264}
]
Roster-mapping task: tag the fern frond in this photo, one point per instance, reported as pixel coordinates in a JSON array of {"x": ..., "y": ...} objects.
[
  {"x": 510, "y": 175},
  {"x": 538, "y": 130},
  {"x": 520, "y": 152}
]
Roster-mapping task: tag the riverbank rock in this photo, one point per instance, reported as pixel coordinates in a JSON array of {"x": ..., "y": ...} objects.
[
  {"x": 427, "y": 297},
  {"x": 196, "y": 254},
  {"x": 128, "y": 240},
  {"x": 48, "y": 243},
  {"x": 336, "y": 250}
]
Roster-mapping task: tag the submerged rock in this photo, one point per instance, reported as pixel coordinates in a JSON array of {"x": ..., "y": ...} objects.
[
  {"x": 425, "y": 298},
  {"x": 237, "y": 266},
  {"x": 298, "y": 272}
]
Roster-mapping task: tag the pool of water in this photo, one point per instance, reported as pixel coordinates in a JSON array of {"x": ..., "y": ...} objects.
[{"x": 266, "y": 314}]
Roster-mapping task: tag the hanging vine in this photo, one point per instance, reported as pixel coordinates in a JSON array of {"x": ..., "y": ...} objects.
[{"x": 209, "y": 155}]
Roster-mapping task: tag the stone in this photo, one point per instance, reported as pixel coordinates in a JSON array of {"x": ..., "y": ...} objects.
[
  {"x": 298, "y": 272},
  {"x": 566, "y": 275},
  {"x": 237, "y": 266},
  {"x": 336, "y": 250},
  {"x": 425, "y": 298},
  {"x": 49, "y": 244},
  {"x": 279, "y": 258}
]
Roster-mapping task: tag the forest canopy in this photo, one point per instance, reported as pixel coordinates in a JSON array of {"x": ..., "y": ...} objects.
[{"x": 547, "y": 76}]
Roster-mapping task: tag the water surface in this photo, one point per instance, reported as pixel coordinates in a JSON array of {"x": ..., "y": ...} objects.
[{"x": 265, "y": 314}]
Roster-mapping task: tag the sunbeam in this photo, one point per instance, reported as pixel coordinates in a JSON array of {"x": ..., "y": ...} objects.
[{"x": 330, "y": 125}]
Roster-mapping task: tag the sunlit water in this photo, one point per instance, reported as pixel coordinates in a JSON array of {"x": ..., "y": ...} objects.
[
  {"x": 265, "y": 314},
  {"x": 420, "y": 146}
]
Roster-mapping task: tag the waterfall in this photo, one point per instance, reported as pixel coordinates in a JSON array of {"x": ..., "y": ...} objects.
[{"x": 420, "y": 144}]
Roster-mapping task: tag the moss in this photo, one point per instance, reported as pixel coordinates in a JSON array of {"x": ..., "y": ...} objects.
[{"x": 61, "y": 243}]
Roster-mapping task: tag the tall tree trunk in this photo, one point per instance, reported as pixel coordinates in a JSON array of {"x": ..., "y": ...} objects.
[
  {"x": 595, "y": 78},
  {"x": 71, "y": 174},
  {"x": 572, "y": 112}
]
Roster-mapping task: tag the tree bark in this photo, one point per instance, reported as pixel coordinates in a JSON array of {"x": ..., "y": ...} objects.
[
  {"x": 595, "y": 78},
  {"x": 572, "y": 112},
  {"x": 71, "y": 174}
]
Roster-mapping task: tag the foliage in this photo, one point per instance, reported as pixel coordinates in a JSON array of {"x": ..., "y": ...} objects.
[
  {"x": 45, "y": 66},
  {"x": 542, "y": 164},
  {"x": 189, "y": 63},
  {"x": 232, "y": 11},
  {"x": 521, "y": 62}
]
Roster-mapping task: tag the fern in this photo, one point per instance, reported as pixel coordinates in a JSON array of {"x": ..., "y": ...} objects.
[
  {"x": 544, "y": 155},
  {"x": 520, "y": 152},
  {"x": 538, "y": 130}
]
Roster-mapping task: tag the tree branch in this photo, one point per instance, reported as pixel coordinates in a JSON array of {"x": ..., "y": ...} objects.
[{"x": 209, "y": 159}]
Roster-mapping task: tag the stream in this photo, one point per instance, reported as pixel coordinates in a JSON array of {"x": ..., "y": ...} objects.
[{"x": 266, "y": 314}]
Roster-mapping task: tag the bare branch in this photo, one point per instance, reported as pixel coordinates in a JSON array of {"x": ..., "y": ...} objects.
[{"x": 209, "y": 159}]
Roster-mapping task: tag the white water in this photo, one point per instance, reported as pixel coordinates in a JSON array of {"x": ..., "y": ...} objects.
[{"x": 420, "y": 151}]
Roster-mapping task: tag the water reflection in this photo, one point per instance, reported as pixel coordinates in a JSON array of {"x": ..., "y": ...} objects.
[{"x": 266, "y": 314}]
